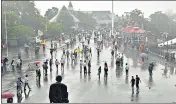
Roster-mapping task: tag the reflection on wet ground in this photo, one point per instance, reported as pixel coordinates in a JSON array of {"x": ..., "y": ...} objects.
[{"x": 116, "y": 81}]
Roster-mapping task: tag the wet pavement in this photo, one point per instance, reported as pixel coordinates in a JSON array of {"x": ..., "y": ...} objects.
[{"x": 116, "y": 89}]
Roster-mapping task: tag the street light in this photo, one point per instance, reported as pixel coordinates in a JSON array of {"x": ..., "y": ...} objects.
[
  {"x": 166, "y": 38},
  {"x": 6, "y": 33},
  {"x": 112, "y": 18}
]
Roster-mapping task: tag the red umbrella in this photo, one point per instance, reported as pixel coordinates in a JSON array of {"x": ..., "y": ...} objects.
[
  {"x": 131, "y": 29},
  {"x": 128, "y": 29},
  {"x": 37, "y": 62},
  {"x": 138, "y": 30},
  {"x": 7, "y": 95}
]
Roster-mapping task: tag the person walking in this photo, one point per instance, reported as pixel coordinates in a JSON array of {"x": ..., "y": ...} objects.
[
  {"x": 26, "y": 83},
  {"x": 51, "y": 52},
  {"x": 58, "y": 92},
  {"x": 67, "y": 55},
  {"x": 85, "y": 67},
  {"x": 57, "y": 64},
  {"x": 105, "y": 69},
  {"x": 13, "y": 65},
  {"x": 38, "y": 74},
  {"x": 122, "y": 60},
  {"x": 45, "y": 67},
  {"x": 19, "y": 84},
  {"x": 126, "y": 69},
  {"x": 73, "y": 58},
  {"x": 81, "y": 65},
  {"x": 132, "y": 83},
  {"x": 90, "y": 51},
  {"x": 2, "y": 67},
  {"x": 89, "y": 67},
  {"x": 62, "y": 64},
  {"x": 18, "y": 64},
  {"x": 99, "y": 72},
  {"x": 51, "y": 62},
  {"x": 21, "y": 63},
  {"x": 137, "y": 82}
]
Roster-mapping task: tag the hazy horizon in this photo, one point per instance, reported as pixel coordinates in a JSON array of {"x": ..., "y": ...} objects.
[{"x": 148, "y": 7}]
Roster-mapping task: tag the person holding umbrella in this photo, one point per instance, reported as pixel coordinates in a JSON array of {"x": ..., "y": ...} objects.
[
  {"x": 9, "y": 96},
  {"x": 143, "y": 55}
]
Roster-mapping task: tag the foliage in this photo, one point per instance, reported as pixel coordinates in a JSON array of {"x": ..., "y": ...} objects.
[
  {"x": 86, "y": 20},
  {"x": 157, "y": 23},
  {"x": 19, "y": 31},
  {"x": 12, "y": 19},
  {"x": 22, "y": 19},
  {"x": 65, "y": 19},
  {"x": 54, "y": 28},
  {"x": 50, "y": 13}
]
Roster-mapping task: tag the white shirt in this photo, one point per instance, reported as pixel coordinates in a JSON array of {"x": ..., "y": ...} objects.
[
  {"x": 57, "y": 62},
  {"x": 81, "y": 63},
  {"x": 18, "y": 61},
  {"x": 127, "y": 67},
  {"x": 26, "y": 79},
  {"x": 62, "y": 61},
  {"x": 73, "y": 57},
  {"x": 85, "y": 64}
]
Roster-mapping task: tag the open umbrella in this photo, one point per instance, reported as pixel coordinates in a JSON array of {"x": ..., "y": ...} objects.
[
  {"x": 76, "y": 50},
  {"x": 37, "y": 62},
  {"x": 143, "y": 55},
  {"x": 128, "y": 29},
  {"x": 131, "y": 29},
  {"x": 138, "y": 30},
  {"x": 7, "y": 95}
]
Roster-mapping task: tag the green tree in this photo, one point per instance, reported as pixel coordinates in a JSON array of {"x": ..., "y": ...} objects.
[
  {"x": 86, "y": 20},
  {"x": 21, "y": 31},
  {"x": 21, "y": 13},
  {"x": 136, "y": 16},
  {"x": 54, "y": 28},
  {"x": 12, "y": 19},
  {"x": 161, "y": 21},
  {"x": 50, "y": 13},
  {"x": 65, "y": 19}
]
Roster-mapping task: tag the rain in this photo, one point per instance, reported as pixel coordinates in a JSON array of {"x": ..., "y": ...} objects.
[{"x": 88, "y": 52}]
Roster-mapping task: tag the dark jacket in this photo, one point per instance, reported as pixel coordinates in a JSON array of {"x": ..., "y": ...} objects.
[{"x": 58, "y": 93}]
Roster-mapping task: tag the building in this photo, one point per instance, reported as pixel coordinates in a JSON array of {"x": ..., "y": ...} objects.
[{"x": 102, "y": 18}]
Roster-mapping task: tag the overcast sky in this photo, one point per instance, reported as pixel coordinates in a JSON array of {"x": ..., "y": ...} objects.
[{"x": 148, "y": 7}]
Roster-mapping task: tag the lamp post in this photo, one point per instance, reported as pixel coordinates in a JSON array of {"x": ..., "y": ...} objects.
[
  {"x": 166, "y": 39},
  {"x": 6, "y": 34},
  {"x": 112, "y": 18}
]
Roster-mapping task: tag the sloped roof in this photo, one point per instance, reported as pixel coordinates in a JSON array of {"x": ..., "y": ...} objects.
[
  {"x": 64, "y": 9},
  {"x": 54, "y": 19},
  {"x": 103, "y": 15},
  {"x": 70, "y": 5},
  {"x": 74, "y": 17}
]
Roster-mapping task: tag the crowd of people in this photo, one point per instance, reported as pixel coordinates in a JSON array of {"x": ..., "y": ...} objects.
[{"x": 81, "y": 54}]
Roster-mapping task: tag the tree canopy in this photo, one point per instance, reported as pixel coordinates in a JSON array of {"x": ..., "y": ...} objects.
[
  {"x": 50, "y": 13},
  {"x": 22, "y": 19},
  {"x": 157, "y": 23},
  {"x": 54, "y": 28}
]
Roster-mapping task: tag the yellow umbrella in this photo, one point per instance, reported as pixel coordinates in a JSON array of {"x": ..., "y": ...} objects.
[
  {"x": 80, "y": 51},
  {"x": 43, "y": 42},
  {"x": 76, "y": 50}
]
